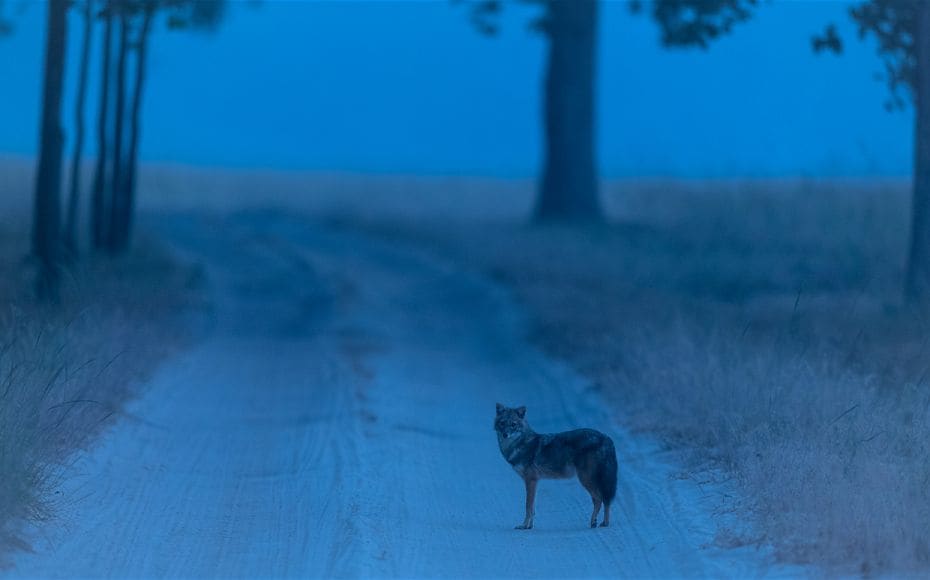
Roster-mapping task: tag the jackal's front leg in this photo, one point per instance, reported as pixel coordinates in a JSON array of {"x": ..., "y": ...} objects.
[{"x": 530, "y": 505}]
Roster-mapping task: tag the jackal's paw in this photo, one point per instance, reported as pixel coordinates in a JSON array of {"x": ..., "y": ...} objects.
[
  {"x": 593, "y": 523},
  {"x": 524, "y": 527},
  {"x": 605, "y": 524}
]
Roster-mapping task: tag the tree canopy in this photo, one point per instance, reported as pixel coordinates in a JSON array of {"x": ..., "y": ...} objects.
[
  {"x": 893, "y": 24},
  {"x": 684, "y": 23},
  {"x": 690, "y": 23}
]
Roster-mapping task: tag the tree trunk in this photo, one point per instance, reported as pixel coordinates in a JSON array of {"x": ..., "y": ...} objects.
[
  {"x": 45, "y": 233},
  {"x": 569, "y": 184},
  {"x": 129, "y": 189},
  {"x": 71, "y": 222},
  {"x": 918, "y": 274},
  {"x": 117, "y": 195},
  {"x": 99, "y": 217}
]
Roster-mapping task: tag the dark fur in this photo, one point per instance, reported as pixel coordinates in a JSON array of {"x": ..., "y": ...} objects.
[{"x": 587, "y": 453}]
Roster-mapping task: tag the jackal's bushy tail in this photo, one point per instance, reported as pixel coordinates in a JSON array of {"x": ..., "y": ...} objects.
[{"x": 606, "y": 477}]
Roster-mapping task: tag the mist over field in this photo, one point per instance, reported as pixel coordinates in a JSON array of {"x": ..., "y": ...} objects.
[{"x": 529, "y": 288}]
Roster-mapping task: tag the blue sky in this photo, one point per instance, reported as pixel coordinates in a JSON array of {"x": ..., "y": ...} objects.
[{"x": 410, "y": 87}]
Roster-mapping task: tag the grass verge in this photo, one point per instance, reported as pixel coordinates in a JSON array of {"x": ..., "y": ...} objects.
[{"x": 67, "y": 369}]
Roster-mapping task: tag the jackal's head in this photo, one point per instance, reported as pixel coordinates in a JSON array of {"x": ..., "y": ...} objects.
[{"x": 510, "y": 422}]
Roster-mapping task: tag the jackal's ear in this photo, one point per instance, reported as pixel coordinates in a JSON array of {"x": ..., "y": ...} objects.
[
  {"x": 500, "y": 408},
  {"x": 521, "y": 411}
]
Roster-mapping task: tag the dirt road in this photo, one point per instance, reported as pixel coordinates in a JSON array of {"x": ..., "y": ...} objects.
[{"x": 336, "y": 421}]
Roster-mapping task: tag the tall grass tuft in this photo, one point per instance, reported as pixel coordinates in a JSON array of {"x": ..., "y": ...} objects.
[{"x": 66, "y": 369}]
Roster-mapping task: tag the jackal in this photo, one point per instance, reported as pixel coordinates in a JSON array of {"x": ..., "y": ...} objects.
[{"x": 588, "y": 453}]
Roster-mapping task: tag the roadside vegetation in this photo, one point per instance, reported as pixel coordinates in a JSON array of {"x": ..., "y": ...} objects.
[
  {"x": 66, "y": 369},
  {"x": 759, "y": 329}
]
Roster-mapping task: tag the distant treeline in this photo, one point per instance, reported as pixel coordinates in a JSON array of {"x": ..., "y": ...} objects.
[{"x": 568, "y": 184}]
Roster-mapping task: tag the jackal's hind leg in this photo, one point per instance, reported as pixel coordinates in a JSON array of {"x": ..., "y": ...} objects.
[
  {"x": 606, "y": 521},
  {"x": 597, "y": 509},
  {"x": 586, "y": 477}
]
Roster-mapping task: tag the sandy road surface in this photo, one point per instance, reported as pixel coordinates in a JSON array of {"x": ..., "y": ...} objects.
[{"x": 336, "y": 421}]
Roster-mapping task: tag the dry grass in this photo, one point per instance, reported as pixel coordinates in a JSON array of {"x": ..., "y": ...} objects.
[
  {"x": 67, "y": 369},
  {"x": 758, "y": 328}
]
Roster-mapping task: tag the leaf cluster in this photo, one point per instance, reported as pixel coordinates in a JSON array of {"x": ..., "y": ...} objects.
[
  {"x": 688, "y": 23},
  {"x": 893, "y": 23},
  {"x": 484, "y": 15},
  {"x": 683, "y": 22}
]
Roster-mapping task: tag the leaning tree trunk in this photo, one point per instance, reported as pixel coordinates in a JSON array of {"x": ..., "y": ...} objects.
[
  {"x": 569, "y": 183},
  {"x": 132, "y": 154},
  {"x": 117, "y": 195},
  {"x": 99, "y": 216},
  {"x": 71, "y": 221},
  {"x": 918, "y": 274},
  {"x": 45, "y": 232}
]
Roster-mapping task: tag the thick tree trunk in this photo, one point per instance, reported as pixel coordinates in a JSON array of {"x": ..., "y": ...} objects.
[
  {"x": 99, "y": 217},
  {"x": 117, "y": 194},
  {"x": 918, "y": 274},
  {"x": 74, "y": 197},
  {"x": 46, "y": 235},
  {"x": 569, "y": 188},
  {"x": 129, "y": 189}
]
